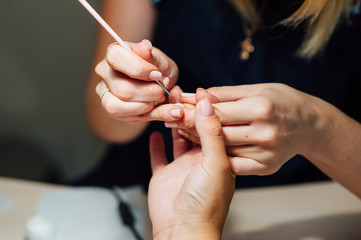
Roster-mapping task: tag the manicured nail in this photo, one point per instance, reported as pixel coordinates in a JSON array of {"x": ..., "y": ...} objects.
[
  {"x": 166, "y": 81},
  {"x": 206, "y": 108},
  {"x": 148, "y": 43},
  {"x": 155, "y": 75},
  {"x": 175, "y": 113},
  {"x": 171, "y": 124},
  {"x": 187, "y": 95},
  {"x": 200, "y": 89}
]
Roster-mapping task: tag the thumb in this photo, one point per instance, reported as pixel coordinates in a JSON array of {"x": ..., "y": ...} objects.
[
  {"x": 158, "y": 159},
  {"x": 144, "y": 50},
  {"x": 211, "y": 136}
]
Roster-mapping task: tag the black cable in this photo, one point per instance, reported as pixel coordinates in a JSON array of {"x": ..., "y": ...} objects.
[{"x": 126, "y": 214}]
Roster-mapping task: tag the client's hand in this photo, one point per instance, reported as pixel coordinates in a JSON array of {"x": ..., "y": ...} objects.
[
  {"x": 190, "y": 197},
  {"x": 264, "y": 125}
]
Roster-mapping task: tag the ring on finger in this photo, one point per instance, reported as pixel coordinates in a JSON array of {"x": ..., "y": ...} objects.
[
  {"x": 187, "y": 134},
  {"x": 111, "y": 45},
  {"x": 106, "y": 91}
]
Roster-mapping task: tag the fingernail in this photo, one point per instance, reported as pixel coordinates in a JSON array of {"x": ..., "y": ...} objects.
[
  {"x": 200, "y": 89},
  {"x": 155, "y": 75},
  {"x": 187, "y": 95},
  {"x": 175, "y": 113},
  {"x": 166, "y": 81},
  {"x": 206, "y": 108},
  {"x": 170, "y": 124},
  {"x": 148, "y": 43}
]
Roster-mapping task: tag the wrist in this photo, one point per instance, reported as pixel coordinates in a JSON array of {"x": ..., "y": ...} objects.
[
  {"x": 188, "y": 233},
  {"x": 322, "y": 129}
]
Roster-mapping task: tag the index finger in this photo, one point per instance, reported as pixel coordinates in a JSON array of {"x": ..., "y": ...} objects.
[
  {"x": 240, "y": 112},
  {"x": 122, "y": 60}
]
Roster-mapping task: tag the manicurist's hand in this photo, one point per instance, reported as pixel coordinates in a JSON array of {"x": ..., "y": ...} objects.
[
  {"x": 190, "y": 197},
  {"x": 128, "y": 89}
]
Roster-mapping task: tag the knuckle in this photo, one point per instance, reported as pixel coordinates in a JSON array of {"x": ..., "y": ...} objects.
[
  {"x": 271, "y": 164},
  {"x": 112, "y": 109},
  {"x": 99, "y": 69},
  {"x": 214, "y": 130},
  {"x": 112, "y": 56},
  {"x": 137, "y": 71},
  {"x": 156, "y": 91},
  {"x": 236, "y": 167},
  {"x": 125, "y": 93},
  {"x": 98, "y": 89},
  {"x": 265, "y": 108},
  {"x": 271, "y": 168},
  {"x": 269, "y": 137},
  {"x": 213, "y": 90}
]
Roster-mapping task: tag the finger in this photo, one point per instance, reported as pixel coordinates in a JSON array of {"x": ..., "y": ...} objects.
[
  {"x": 134, "y": 66},
  {"x": 240, "y": 112},
  {"x": 248, "y": 166},
  {"x": 156, "y": 57},
  {"x": 193, "y": 138},
  {"x": 165, "y": 112},
  {"x": 263, "y": 155},
  {"x": 240, "y": 135},
  {"x": 233, "y": 135},
  {"x": 243, "y": 111},
  {"x": 186, "y": 122},
  {"x": 234, "y": 93},
  {"x": 101, "y": 87},
  {"x": 180, "y": 144},
  {"x": 131, "y": 90},
  {"x": 158, "y": 159},
  {"x": 202, "y": 93},
  {"x": 126, "y": 88},
  {"x": 176, "y": 92},
  {"x": 189, "y": 98},
  {"x": 165, "y": 65},
  {"x": 117, "y": 108},
  {"x": 212, "y": 141},
  {"x": 144, "y": 50}
]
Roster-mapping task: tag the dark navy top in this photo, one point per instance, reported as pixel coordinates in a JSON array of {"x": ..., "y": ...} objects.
[{"x": 203, "y": 37}]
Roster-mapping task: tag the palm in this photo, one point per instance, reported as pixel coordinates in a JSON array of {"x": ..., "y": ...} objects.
[{"x": 166, "y": 186}]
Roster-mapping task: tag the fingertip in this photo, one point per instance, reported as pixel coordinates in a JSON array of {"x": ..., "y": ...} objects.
[
  {"x": 202, "y": 94},
  {"x": 144, "y": 50},
  {"x": 205, "y": 108},
  {"x": 176, "y": 92},
  {"x": 147, "y": 43},
  {"x": 210, "y": 132}
]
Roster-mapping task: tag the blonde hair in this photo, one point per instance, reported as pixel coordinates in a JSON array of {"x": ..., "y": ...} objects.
[{"x": 321, "y": 16}]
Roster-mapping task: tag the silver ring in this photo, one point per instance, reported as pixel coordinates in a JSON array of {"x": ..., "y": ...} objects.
[
  {"x": 187, "y": 135},
  {"x": 156, "y": 103},
  {"x": 101, "y": 97},
  {"x": 111, "y": 45}
]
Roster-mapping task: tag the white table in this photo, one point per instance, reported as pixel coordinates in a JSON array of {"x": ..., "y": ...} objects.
[{"x": 317, "y": 211}]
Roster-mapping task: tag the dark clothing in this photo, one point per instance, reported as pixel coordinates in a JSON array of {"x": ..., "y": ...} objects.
[{"x": 203, "y": 37}]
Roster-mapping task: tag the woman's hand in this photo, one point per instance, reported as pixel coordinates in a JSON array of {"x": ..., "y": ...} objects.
[
  {"x": 264, "y": 125},
  {"x": 189, "y": 198},
  {"x": 129, "y": 91}
]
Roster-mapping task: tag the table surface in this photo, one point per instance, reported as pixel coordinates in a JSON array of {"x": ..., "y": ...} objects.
[{"x": 316, "y": 211}]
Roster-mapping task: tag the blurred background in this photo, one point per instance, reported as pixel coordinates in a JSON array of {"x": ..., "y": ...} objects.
[{"x": 46, "y": 49}]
